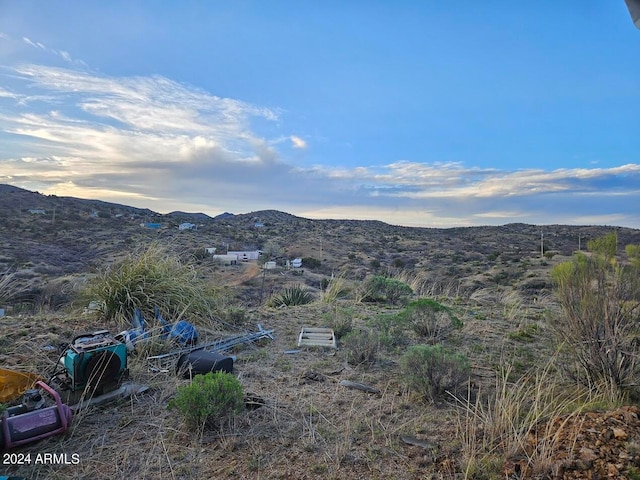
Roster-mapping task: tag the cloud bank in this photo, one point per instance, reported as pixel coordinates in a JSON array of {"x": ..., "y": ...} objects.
[{"x": 152, "y": 142}]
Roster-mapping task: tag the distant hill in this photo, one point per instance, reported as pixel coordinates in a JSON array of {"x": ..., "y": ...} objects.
[
  {"x": 15, "y": 199},
  {"x": 47, "y": 236},
  {"x": 223, "y": 216},
  {"x": 194, "y": 217}
]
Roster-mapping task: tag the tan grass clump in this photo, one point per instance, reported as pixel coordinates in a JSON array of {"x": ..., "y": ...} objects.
[{"x": 506, "y": 423}]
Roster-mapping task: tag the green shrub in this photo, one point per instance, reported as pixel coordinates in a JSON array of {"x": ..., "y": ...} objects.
[
  {"x": 391, "y": 331},
  {"x": 361, "y": 347},
  {"x": 148, "y": 278},
  {"x": 601, "y": 325},
  {"x": 291, "y": 296},
  {"x": 633, "y": 253},
  {"x": 431, "y": 370},
  {"x": 209, "y": 400},
  {"x": 341, "y": 321},
  {"x": 379, "y": 288},
  {"x": 430, "y": 319},
  {"x": 310, "y": 262},
  {"x": 233, "y": 315}
]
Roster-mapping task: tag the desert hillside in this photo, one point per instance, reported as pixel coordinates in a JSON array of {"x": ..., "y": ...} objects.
[{"x": 490, "y": 299}]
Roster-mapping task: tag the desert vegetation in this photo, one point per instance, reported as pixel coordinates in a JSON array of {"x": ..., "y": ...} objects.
[{"x": 478, "y": 358}]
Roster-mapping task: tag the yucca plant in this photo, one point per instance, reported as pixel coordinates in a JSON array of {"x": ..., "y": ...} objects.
[
  {"x": 291, "y": 296},
  {"x": 153, "y": 276}
]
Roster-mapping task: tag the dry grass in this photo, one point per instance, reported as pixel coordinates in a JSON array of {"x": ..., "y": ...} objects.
[
  {"x": 146, "y": 278},
  {"x": 425, "y": 285},
  {"x": 500, "y": 425},
  {"x": 11, "y": 286},
  {"x": 335, "y": 289},
  {"x": 310, "y": 426}
]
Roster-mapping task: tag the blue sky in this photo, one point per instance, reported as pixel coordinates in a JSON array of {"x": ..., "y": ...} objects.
[{"x": 420, "y": 113}]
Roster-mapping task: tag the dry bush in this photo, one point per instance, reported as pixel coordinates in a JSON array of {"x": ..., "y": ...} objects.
[
  {"x": 431, "y": 370},
  {"x": 600, "y": 328},
  {"x": 361, "y": 346},
  {"x": 429, "y": 319},
  {"x": 340, "y": 319},
  {"x": 424, "y": 285}
]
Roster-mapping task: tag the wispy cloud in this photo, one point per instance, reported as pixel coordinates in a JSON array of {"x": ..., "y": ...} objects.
[
  {"x": 157, "y": 143},
  {"x": 33, "y": 44},
  {"x": 298, "y": 142},
  {"x": 7, "y": 94},
  {"x": 60, "y": 53}
]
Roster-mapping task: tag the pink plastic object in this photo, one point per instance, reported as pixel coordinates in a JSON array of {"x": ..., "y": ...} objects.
[{"x": 37, "y": 424}]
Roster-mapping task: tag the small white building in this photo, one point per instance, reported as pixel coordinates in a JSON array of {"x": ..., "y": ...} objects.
[
  {"x": 186, "y": 226},
  {"x": 296, "y": 263},
  {"x": 269, "y": 265},
  {"x": 226, "y": 259},
  {"x": 245, "y": 256},
  {"x": 210, "y": 250}
]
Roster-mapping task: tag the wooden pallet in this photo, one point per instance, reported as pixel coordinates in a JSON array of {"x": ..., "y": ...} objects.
[{"x": 317, "y": 337}]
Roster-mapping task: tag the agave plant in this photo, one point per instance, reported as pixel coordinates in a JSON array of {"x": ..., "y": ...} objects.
[{"x": 290, "y": 296}]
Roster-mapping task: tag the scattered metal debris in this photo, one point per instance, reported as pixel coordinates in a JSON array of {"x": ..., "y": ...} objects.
[
  {"x": 317, "y": 337},
  {"x": 126, "y": 390},
  {"x": 410, "y": 440},
  {"x": 182, "y": 332},
  {"x": 359, "y": 386},
  {"x": 253, "y": 402},
  {"x": 313, "y": 376},
  {"x": 222, "y": 345}
]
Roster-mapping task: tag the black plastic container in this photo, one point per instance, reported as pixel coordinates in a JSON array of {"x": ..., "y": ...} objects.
[{"x": 200, "y": 362}]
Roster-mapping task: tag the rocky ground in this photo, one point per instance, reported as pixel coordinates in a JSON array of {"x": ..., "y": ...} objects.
[{"x": 593, "y": 445}]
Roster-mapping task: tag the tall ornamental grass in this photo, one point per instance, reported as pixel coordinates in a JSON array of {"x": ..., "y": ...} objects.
[{"x": 146, "y": 278}]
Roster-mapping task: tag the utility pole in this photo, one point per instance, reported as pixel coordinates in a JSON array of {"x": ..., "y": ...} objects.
[{"x": 541, "y": 244}]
